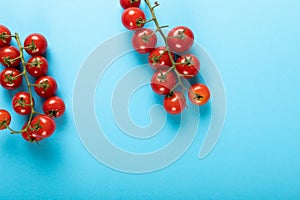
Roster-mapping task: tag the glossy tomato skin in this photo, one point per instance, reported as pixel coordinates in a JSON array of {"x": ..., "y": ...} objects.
[
  {"x": 162, "y": 81},
  {"x": 4, "y": 33},
  {"x": 45, "y": 86},
  {"x": 42, "y": 126},
  {"x": 180, "y": 39},
  {"x": 188, "y": 66},
  {"x": 8, "y": 79},
  {"x": 37, "y": 66},
  {"x": 54, "y": 107},
  {"x": 144, "y": 40},
  {"x": 5, "y": 119},
  {"x": 159, "y": 58},
  {"x": 29, "y": 135},
  {"x": 174, "y": 103},
  {"x": 9, "y": 53},
  {"x": 199, "y": 94},
  {"x": 130, "y": 3},
  {"x": 21, "y": 103},
  {"x": 133, "y": 18},
  {"x": 35, "y": 44}
]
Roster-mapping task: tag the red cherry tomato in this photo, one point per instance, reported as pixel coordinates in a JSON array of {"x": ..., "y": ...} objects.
[
  {"x": 5, "y": 119},
  {"x": 42, "y": 126},
  {"x": 159, "y": 58},
  {"x": 162, "y": 81},
  {"x": 199, "y": 94},
  {"x": 10, "y": 78},
  {"x": 144, "y": 40},
  {"x": 189, "y": 65},
  {"x": 130, "y": 3},
  {"x": 45, "y": 86},
  {"x": 133, "y": 18},
  {"x": 4, "y": 36},
  {"x": 35, "y": 44},
  {"x": 37, "y": 66},
  {"x": 180, "y": 39},
  {"x": 29, "y": 135},
  {"x": 54, "y": 107},
  {"x": 9, "y": 56},
  {"x": 174, "y": 103},
  {"x": 21, "y": 103}
]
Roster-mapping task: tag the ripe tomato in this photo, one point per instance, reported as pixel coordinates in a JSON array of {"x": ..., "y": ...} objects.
[
  {"x": 35, "y": 44},
  {"x": 133, "y": 18},
  {"x": 189, "y": 65},
  {"x": 8, "y": 79},
  {"x": 162, "y": 81},
  {"x": 21, "y": 103},
  {"x": 29, "y": 135},
  {"x": 144, "y": 40},
  {"x": 9, "y": 56},
  {"x": 4, "y": 36},
  {"x": 159, "y": 58},
  {"x": 54, "y": 107},
  {"x": 174, "y": 103},
  {"x": 5, "y": 119},
  {"x": 45, "y": 86},
  {"x": 42, "y": 126},
  {"x": 180, "y": 39},
  {"x": 130, "y": 3},
  {"x": 199, "y": 94},
  {"x": 37, "y": 66}
]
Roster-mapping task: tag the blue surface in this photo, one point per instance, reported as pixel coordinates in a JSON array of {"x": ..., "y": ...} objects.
[{"x": 255, "y": 45}]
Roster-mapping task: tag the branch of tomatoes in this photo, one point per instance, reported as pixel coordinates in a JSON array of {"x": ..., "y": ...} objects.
[{"x": 38, "y": 126}]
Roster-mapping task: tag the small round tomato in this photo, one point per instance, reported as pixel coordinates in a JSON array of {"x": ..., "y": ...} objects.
[
  {"x": 45, "y": 86},
  {"x": 174, "y": 103},
  {"x": 42, "y": 126},
  {"x": 162, "y": 81},
  {"x": 180, "y": 39},
  {"x": 130, "y": 3},
  {"x": 133, "y": 18},
  {"x": 199, "y": 94},
  {"x": 21, "y": 103},
  {"x": 5, "y": 119},
  {"x": 5, "y": 36},
  {"x": 54, "y": 107},
  {"x": 144, "y": 40},
  {"x": 28, "y": 135},
  {"x": 10, "y": 78},
  {"x": 10, "y": 56},
  {"x": 35, "y": 44},
  {"x": 188, "y": 65},
  {"x": 37, "y": 66},
  {"x": 159, "y": 58}
]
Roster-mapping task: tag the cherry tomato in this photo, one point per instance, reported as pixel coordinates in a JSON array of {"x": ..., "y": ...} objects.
[
  {"x": 5, "y": 119},
  {"x": 10, "y": 78},
  {"x": 180, "y": 39},
  {"x": 45, "y": 86},
  {"x": 4, "y": 36},
  {"x": 199, "y": 94},
  {"x": 9, "y": 56},
  {"x": 133, "y": 18},
  {"x": 144, "y": 40},
  {"x": 130, "y": 3},
  {"x": 42, "y": 126},
  {"x": 54, "y": 107},
  {"x": 21, "y": 103},
  {"x": 189, "y": 65},
  {"x": 29, "y": 135},
  {"x": 174, "y": 103},
  {"x": 35, "y": 44},
  {"x": 159, "y": 58},
  {"x": 162, "y": 81},
  {"x": 37, "y": 66}
]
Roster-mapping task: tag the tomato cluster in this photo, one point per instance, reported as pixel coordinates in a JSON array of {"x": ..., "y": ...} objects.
[
  {"x": 39, "y": 125},
  {"x": 170, "y": 61}
]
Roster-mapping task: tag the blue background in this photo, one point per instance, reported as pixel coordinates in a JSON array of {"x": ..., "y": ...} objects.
[{"x": 255, "y": 45}]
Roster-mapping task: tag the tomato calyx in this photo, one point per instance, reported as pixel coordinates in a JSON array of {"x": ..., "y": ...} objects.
[
  {"x": 31, "y": 46},
  {"x": 4, "y": 36},
  {"x": 9, "y": 78},
  {"x": 45, "y": 85},
  {"x": 133, "y": 1},
  {"x": 146, "y": 38},
  {"x": 21, "y": 102},
  {"x": 162, "y": 76},
  {"x": 36, "y": 63},
  {"x": 140, "y": 22},
  {"x": 53, "y": 113}
]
